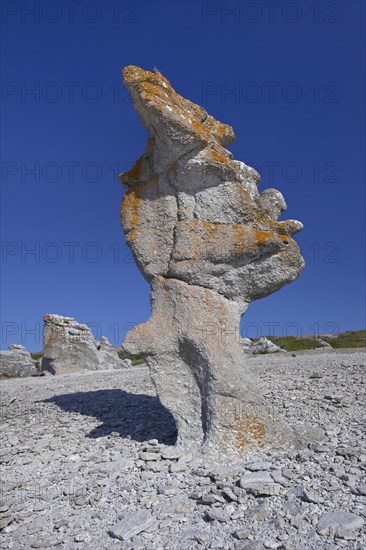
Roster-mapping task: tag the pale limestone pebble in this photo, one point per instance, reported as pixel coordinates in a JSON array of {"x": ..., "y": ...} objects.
[
  {"x": 241, "y": 534},
  {"x": 264, "y": 489},
  {"x": 148, "y": 456},
  {"x": 229, "y": 494},
  {"x": 132, "y": 524},
  {"x": 279, "y": 478},
  {"x": 340, "y": 524},
  {"x": 218, "y": 514},
  {"x": 171, "y": 453},
  {"x": 259, "y": 466},
  {"x": 255, "y": 477}
]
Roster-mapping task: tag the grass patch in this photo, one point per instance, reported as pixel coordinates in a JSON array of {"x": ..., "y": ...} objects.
[
  {"x": 293, "y": 343},
  {"x": 136, "y": 359},
  {"x": 349, "y": 339},
  {"x": 37, "y": 356}
]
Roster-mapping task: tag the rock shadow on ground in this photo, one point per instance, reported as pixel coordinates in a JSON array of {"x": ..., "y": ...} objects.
[{"x": 136, "y": 416}]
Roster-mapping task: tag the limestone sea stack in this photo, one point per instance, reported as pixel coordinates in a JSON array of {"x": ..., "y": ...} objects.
[
  {"x": 70, "y": 347},
  {"x": 209, "y": 244}
]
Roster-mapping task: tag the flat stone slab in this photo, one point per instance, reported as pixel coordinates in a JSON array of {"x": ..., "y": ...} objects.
[
  {"x": 338, "y": 522},
  {"x": 255, "y": 477},
  {"x": 264, "y": 489},
  {"x": 132, "y": 524},
  {"x": 149, "y": 456},
  {"x": 258, "y": 466},
  {"x": 172, "y": 454}
]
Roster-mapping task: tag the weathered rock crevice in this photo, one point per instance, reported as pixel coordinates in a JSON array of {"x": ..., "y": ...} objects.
[{"x": 200, "y": 368}]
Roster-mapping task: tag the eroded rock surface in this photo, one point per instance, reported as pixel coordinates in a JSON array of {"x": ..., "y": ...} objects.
[
  {"x": 17, "y": 361},
  {"x": 69, "y": 346},
  {"x": 261, "y": 345},
  {"x": 209, "y": 243},
  {"x": 108, "y": 357}
]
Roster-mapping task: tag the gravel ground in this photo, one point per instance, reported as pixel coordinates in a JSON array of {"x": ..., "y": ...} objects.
[{"x": 88, "y": 462}]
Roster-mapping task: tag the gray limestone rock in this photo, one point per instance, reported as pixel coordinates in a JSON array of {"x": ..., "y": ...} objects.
[
  {"x": 108, "y": 356},
  {"x": 322, "y": 344},
  {"x": 132, "y": 524},
  {"x": 241, "y": 534},
  {"x": 218, "y": 514},
  {"x": 246, "y": 343},
  {"x": 257, "y": 466},
  {"x": 17, "y": 362},
  {"x": 263, "y": 345},
  {"x": 255, "y": 477},
  {"x": 209, "y": 243},
  {"x": 334, "y": 523},
  {"x": 264, "y": 489},
  {"x": 69, "y": 346},
  {"x": 260, "y": 345}
]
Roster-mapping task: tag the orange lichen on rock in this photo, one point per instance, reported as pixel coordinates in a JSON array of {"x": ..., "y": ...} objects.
[
  {"x": 154, "y": 89},
  {"x": 200, "y": 129},
  {"x": 134, "y": 175},
  {"x": 225, "y": 134},
  {"x": 218, "y": 157},
  {"x": 134, "y": 75},
  {"x": 261, "y": 237},
  {"x": 248, "y": 430},
  {"x": 241, "y": 235},
  {"x": 131, "y": 207},
  {"x": 283, "y": 229},
  {"x": 199, "y": 240}
]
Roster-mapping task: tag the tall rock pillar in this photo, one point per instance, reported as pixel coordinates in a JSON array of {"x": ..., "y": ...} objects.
[{"x": 209, "y": 244}]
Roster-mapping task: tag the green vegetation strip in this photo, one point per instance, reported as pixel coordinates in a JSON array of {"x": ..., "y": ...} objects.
[{"x": 349, "y": 339}]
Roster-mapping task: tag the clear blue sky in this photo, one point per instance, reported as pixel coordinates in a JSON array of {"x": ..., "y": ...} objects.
[{"x": 296, "y": 76}]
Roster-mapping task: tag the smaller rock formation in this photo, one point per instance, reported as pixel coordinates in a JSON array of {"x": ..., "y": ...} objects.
[
  {"x": 108, "y": 357},
  {"x": 322, "y": 344},
  {"x": 247, "y": 344},
  {"x": 69, "y": 346},
  {"x": 17, "y": 362},
  {"x": 262, "y": 345}
]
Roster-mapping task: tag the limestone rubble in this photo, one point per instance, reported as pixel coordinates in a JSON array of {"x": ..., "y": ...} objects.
[
  {"x": 92, "y": 436},
  {"x": 209, "y": 244}
]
